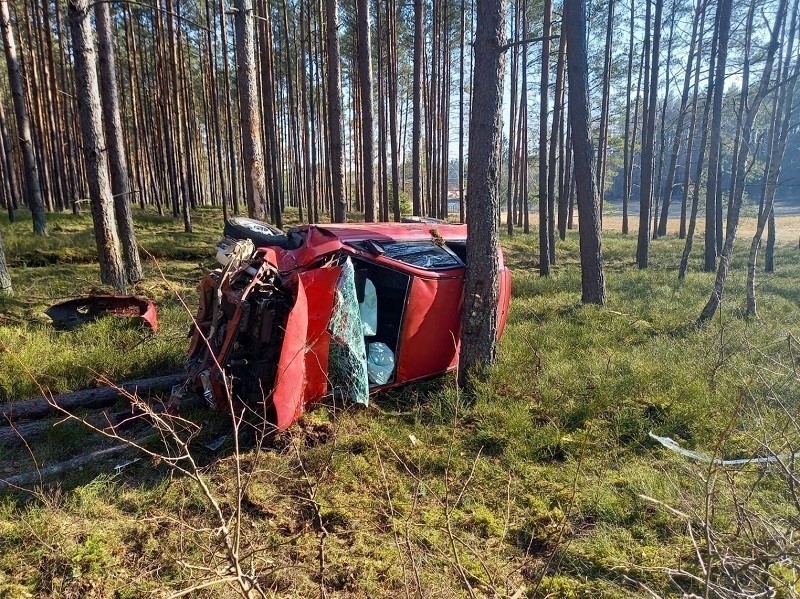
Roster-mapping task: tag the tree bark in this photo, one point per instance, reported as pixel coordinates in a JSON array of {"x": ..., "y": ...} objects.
[
  {"x": 250, "y": 114},
  {"x": 545, "y": 212},
  {"x": 10, "y": 173},
  {"x": 740, "y": 167},
  {"x": 367, "y": 128},
  {"x": 605, "y": 107},
  {"x": 416, "y": 119},
  {"x": 336, "y": 166},
  {"x": 648, "y": 140},
  {"x": 31, "y": 169},
  {"x": 482, "y": 285},
  {"x": 592, "y": 276},
  {"x": 721, "y": 34},
  {"x": 112, "y": 268},
  {"x": 120, "y": 184},
  {"x": 5, "y": 277}
]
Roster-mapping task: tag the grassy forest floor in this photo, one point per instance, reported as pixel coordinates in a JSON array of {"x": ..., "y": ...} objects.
[{"x": 547, "y": 486}]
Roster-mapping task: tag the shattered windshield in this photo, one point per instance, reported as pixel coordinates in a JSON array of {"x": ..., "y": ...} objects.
[{"x": 422, "y": 254}]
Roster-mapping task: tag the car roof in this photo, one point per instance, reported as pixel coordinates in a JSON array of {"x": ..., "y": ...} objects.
[{"x": 350, "y": 232}]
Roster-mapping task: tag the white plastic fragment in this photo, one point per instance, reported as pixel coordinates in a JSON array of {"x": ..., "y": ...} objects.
[{"x": 673, "y": 445}]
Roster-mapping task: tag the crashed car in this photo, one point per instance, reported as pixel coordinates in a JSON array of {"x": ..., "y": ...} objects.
[{"x": 338, "y": 311}]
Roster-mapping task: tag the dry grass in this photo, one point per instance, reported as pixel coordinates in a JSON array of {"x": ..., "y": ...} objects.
[{"x": 787, "y": 227}]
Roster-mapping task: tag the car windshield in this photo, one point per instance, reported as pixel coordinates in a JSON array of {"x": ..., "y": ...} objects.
[{"x": 424, "y": 254}]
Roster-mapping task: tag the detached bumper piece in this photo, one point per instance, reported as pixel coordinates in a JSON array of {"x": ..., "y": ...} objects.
[{"x": 74, "y": 312}]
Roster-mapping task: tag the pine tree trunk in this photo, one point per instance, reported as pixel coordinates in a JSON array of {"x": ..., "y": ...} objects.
[
  {"x": 605, "y": 108},
  {"x": 482, "y": 286},
  {"x": 592, "y": 276},
  {"x": 545, "y": 248},
  {"x": 740, "y": 167},
  {"x": 31, "y": 169},
  {"x": 249, "y": 104},
  {"x": 336, "y": 166},
  {"x": 721, "y": 34},
  {"x": 10, "y": 173},
  {"x": 648, "y": 140},
  {"x": 5, "y": 277},
  {"x": 416, "y": 119},
  {"x": 120, "y": 184},
  {"x": 112, "y": 267},
  {"x": 367, "y": 127}
]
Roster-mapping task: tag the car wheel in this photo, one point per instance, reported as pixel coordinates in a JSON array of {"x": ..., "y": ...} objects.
[{"x": 260, "y": 233}]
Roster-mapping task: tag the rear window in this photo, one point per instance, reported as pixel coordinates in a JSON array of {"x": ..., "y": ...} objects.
[{"x": 421, "y": 254}]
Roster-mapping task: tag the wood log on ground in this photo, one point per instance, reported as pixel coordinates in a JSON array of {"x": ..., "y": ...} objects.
[
  {"x": 61, "y": 468},
  {"x": 100, "y": 397}
]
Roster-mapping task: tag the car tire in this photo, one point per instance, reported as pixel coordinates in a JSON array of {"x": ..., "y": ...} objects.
[{"x": 260, "y": 233}]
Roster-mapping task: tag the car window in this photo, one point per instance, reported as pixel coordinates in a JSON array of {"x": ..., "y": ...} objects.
[{"x": 425, "y": 254}]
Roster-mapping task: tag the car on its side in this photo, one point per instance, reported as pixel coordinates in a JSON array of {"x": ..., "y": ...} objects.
[{"x": 343, "y": 310}]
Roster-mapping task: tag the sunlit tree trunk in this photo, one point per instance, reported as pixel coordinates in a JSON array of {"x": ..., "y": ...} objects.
[
  {"x": 250, "y": 110},
  {"x": 5, "y": 277},
  {"x": 120, "y": 184},
  {"x": 336, "y": 166},
  {"x": 751, "y": 112},
  {"x": 721, "y": 34},
  {"x": 112, "y": 270},
  {"x": 33, "y": 190},
  {"x": 592, "y": 276},
  {"x": 482, "y": 286}
]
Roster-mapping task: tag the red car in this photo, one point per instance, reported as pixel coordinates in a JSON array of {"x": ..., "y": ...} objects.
[{"x": 343, "y": 310}]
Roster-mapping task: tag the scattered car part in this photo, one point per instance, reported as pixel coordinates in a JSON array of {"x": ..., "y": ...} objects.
[{"x": 81, "y": 310}]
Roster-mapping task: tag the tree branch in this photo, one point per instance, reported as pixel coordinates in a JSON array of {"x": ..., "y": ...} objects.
[{"x": 527, "y": 40}]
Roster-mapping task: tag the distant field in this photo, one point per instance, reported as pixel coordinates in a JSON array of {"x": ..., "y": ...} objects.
[{"x": 787, "y": 227}]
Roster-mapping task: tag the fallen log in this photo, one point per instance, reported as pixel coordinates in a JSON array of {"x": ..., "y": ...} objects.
[
  {"x": 21, "y": 433},
  {"x": 100, "y": 397},
  {"x": 77, "y": 463}
]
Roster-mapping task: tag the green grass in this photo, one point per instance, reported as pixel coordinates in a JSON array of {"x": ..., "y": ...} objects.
[{"x": 540, "y": 482}]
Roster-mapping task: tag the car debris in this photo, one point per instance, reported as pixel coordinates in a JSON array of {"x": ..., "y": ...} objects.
[
  {"x": 77, "y": 311},
  {"x": 338, "y": 311}
]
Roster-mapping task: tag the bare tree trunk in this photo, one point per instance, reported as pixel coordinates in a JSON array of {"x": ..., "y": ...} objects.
[
  {"x": 648, "y": 140},
  {"x": 557, "y": 140},
  {"x": 336, "y": 166},
  {"x": 416, "y": 120},
  {"x": 692, "y": 125},
  {"x": 627, "y": 150},
  {"x": 512, "y": 129},
  {"x": 783, "y": 117},
  {"x": 365, "y": 79},
  {"x": 605, "y": 108},
  {"x": 721, "y": 34},
  {"x": 740, "y": 167},
  {"x": 592, "y": 277},
  {"x": 112, "y": 269},
  {"x": 8, "y": 167},
  {"x": 482, "y": 286},
  {"x": 233, "y": 158},
  {"x": 5, "y": 277},
  {"x": 249, "y": 104},
  {"x": 120, "y": 184},
  {"x": 393, "y": 85},
  {"x": 32, "y": 188},
  {"x": 544, "y": 89}
]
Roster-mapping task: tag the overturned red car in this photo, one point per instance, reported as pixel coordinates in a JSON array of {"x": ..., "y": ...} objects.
[{"x": 328, "y": 310}]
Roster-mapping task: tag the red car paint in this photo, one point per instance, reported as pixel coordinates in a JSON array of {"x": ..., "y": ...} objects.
[{"x": 428, "y": 321}]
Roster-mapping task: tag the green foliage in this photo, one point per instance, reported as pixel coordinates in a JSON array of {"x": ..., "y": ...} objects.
[{"x": 539, "y": 484}]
